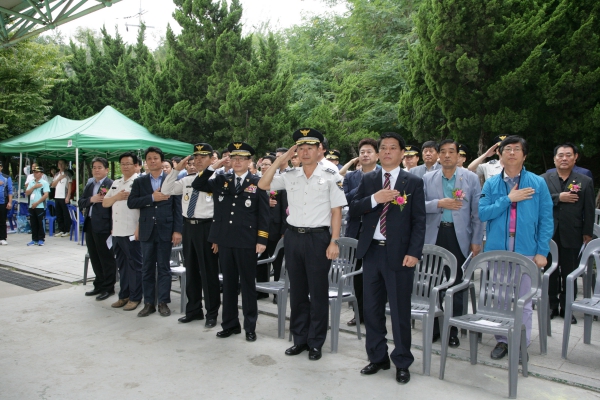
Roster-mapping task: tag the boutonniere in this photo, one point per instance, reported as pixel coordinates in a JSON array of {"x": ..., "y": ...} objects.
[
  {"x": 273, "y": 194},
  {"x": 459, "y": 194},
  {"x": 574, "y": 187},
  {"x": 102, "y": 190},
  {"x": 401, "y": 201}
]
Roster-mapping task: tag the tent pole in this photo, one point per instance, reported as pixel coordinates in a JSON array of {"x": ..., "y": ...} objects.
[
  {"x": 20, "y": 172},
  {"x": 77, "y": 185}
]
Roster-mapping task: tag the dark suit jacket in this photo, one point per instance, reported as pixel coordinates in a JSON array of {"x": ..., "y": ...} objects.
[
  {"x": 351, "y": 182},
  {"x": 166, "y": 215},
  {"x": 101, "y": 218},
  {"x": 277, "y": 224},
  {"x": 572, "y": 220},
  {"x": 241, "y": 219},
  {"x": 577, "y": 169},
  {"x": 405, "y": 229}
]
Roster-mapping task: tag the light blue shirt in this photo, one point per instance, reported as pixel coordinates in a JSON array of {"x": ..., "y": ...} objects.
[
  {"x": 448, "y": 186},
  {"x": 155, "y": 182},
  {"x": 37, "y": 194}
]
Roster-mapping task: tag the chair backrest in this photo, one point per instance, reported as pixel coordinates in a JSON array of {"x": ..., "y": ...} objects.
[
  {"x": 72, "y": 209},
  {"x": 554, "y": 255},
  {"x": 501, "y": 278},
  {"x": 597, "y": 230},
  {"x": 597, "y": 217},
  {"x": 10, "y": 213},
  {"x": 50, "y": 209},
  {"x": 429, "y": 272},
  {"x": 176, "y": 256},
  {"x": 344, "y": 264}
]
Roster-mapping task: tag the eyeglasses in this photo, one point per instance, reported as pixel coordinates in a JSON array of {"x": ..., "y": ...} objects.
[
  {"x": 126, "y": 165},
  {"x": 512, "y": 150}
]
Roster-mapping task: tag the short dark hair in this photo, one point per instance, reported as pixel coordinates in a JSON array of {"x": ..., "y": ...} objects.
[
  {"x": 218, "y": 154},
  {"x": 153, "y": 149},
  {"x": 176, "y": 159},
  {"x": 192, "y": 157},
  {"x": 270, "y": 158},
  {"x": 512, "y": 140},
  {"x": 63, "y": 160},
  {"x": 281, "y": 150},
  {"x": 325, "y": 144},
  {"x": 367, "y": 142},
  {"x": 448, "y": 141},
  {"x": 392, "y": 135},
  {"x": 430, "y": 144},
  {"x": 168, "y": 161},
  {"x": 134, "y": 157},
  {"x": 100, "y": 160},
  {"x": 567, "y": 144}
]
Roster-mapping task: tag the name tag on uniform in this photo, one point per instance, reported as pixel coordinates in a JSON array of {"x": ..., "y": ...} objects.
[
  {"x": 250, "y": 189},
  {"x": 114, "y": 188}
]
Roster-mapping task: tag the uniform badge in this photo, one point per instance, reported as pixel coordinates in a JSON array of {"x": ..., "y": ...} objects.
[
  {"x": 220, "y": 198},
  {"x": 321, "y": 181},
  {"x": 341, "y": 185},
  {"x": 248, "y": 203},
  {"x": 186, "y": 197},
  {"x": 208, "y": 197},
  {"x": 225, "y": 184}
]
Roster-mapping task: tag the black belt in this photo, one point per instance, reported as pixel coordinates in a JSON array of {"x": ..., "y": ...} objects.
[
  {"x": 195, "y": 221},
  {"x": 378, "y": 242},
  {"x": 309, "y": 230},
  {"x": 446, "y": 224}
]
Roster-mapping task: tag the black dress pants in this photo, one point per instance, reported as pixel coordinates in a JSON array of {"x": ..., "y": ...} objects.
[
  {"x": 62, "y": 215},
  {"x": 36, "y": 220},
  {"x": 3, "y": 221},
  {"x": 201, "y": 270},
  {"x": 568, "y": 261},
  {"x": 102, "y": 259},
  {"x": 308, "y": 268},
  {"x": 239, "y": 265}
]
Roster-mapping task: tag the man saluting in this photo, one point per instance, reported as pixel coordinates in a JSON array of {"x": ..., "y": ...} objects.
[{"x": 392, "y": 205}]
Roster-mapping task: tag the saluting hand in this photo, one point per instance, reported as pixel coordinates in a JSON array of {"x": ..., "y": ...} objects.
[
  {"x": 181, "y": 165},
  {"x": 219, "y": 163},
  {"x": 386, "y": 195}
]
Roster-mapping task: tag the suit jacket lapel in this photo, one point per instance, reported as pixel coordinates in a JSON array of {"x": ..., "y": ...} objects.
[
  {"x": 439, "y": 185},
  {"x": 555, "y": 180},
  {"x": 401, "y": 181}
]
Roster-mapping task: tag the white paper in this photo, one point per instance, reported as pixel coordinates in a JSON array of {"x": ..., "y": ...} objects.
[
  {"x": 178, "y": 269},
  {"x": 132, "y": 238},
  {"x": 487, "y": 323},
  {"x": 109, "y": 242}
]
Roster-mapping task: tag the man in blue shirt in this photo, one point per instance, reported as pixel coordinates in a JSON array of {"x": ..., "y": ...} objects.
[
  {"x": 38, "y": 191},
  {"x": 5, "y": 203}
]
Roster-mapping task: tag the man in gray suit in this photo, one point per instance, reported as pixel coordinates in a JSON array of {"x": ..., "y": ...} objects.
[
  {"x": 430, "y": 151},
  {"x": 452, "y": 205},
  {"x": 573, "y": 198}
]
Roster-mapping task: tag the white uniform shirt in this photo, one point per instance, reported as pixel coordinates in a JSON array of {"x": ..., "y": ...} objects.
[
  {"x": 311, "y": 199},
  {"x": 125, "y": 220},
  {"x": 62, "y": 187},
  {"x": 394, "y": 175},
  {"x": 205, "y": 207},
  {"x": 486, "y": 170},
  {"x": 325, "y": 163}
]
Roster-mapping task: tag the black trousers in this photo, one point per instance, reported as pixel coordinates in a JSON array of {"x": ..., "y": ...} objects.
[
  {"x": 358, "y": 291},
  {"x": 3, "y": 227},
  {"x": 36, "y": 220},
  {"x": 102, "y": 259},
  {"x": 447, "y": 239},
  {"x": 308, "y": 268},
  {"x": 381, "y": 284},
  {"x": 201, "y": 270},
  {"x": 62, "y": 215},
  {"x": 128, "y": 258},
  {"x": 568, "y": 261},
  {"x": 262, "y": 271},
  {"x": 239, "y": 265}
]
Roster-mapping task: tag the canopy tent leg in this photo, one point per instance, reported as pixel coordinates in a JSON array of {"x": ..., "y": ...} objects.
[
  {"x": 77, "y": 184},
  {"x": 20, "y": 172}
]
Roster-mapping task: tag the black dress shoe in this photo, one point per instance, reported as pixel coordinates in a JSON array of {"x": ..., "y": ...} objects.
[
  {"x": 251, "y": 336},
  {"x": 228, "y": 332},
  {"x": 104, "y": 295},
  {"x": 352, "y": 322},
  {"x": 373, "y": 368},
  {"x": 573, "y": 320},
  {"x": 210, "y": 323},
  {"x": 402, "y": 375},
  {"x": 274, "y": 299},
  {"x": 500, "y": 351},
  {"x": 554, "y": 313},
  {"x": 163, "y": 310},
  {"x": 435, "y": 337},
  {"x": 314, "y": 354},
  {"x": 296, "y": 349},
  {"x": 453, "y": 342},
  {"x": 94, "y": 292},
  {"x": 189, "y": 318},
  {"x": 147, "y": 310}
]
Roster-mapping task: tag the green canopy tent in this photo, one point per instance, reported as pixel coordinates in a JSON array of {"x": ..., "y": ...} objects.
[{"x": 106, "y": 134}]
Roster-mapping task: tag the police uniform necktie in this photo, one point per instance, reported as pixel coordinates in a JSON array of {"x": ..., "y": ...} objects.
[
  {"x": 192, "y": 203},
  {"x": 238, "y": 184},
  {"x": 386, "y": 207}
]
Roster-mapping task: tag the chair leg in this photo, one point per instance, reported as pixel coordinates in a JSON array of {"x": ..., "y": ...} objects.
[
  {"x": 542, "y": 325},
  {"x": 428, "y": 322},
  {"x": 183, "y": 294},
  {"x": 445, "y": 334},
  {"x": 548, "y": 321},
  {"x": 473, "y": 343},
  {"x": 280, "y": 315},
  {"x": 513, "y": 364},
  {"x": 86, "y": 263},
  {"x": 587, "y": 328},
  {"x": 524, "y": 353},
  {"x": 335, "y": 324},
  {"x": 566, "y": 330}
]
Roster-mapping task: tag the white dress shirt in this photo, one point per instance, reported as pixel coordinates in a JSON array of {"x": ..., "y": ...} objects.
[
  {"x": 125, "y": 219},
  {"x": 205, "y": 207},
  {"x": 394, "y": 175}
]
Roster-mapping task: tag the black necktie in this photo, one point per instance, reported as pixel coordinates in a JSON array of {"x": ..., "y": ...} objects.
[
  {"x": 192, "y": 204},
  {"x": 238, "y": 184}
]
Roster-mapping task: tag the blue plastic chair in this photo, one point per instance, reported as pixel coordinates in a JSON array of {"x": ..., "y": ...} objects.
[
  {"x": 74, "y": 228},
  {"x": 51, "y": 216},
  {"x": 23, "y": 209},
  {"x": 11, "y": 215}
]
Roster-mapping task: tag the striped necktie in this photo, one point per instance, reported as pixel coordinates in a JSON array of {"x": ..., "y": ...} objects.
[
  {"x": 386, "y": 207},
  {"x": 238, "y": 184},
  {"x": 192, "y": 203}
]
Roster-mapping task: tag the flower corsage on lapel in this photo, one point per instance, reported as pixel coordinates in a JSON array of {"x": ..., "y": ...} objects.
[
  {"x": 103, "y": 190},
  {"x": 574, "y": 187},
  {"x": 401, "y": 201},
  {"x": 459, "y": 194},
  {"x": 273, "y": 194}
]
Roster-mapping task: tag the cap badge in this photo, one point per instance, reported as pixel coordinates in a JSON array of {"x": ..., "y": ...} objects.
[
  {"x": 304, "y": 132},
  {"x": 237, "y": 145},
  {"x": 199, "y": 148}
]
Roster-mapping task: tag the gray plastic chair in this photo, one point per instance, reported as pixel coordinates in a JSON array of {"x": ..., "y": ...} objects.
[
  {"x": 501, "y": 275},
  {"x": 341, "y": 287},
  {"x": 542, "y": 302},
  {"x": 280, "y": 288},
  {"x": 589, "y": 284},
  {"x": 589, "y": 306},
  {"x": 176, "y": 261},
  {"x": 344, "y": 222}
]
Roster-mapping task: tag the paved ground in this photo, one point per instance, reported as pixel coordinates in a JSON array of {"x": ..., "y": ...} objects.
[{"x": 59, "y": 344}]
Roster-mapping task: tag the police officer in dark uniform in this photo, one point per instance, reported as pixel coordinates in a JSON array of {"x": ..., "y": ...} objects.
[
  {"x": 199, "y": 254},
  {"x": 240, "y": 229},
  {"x": 315, "y": 197}
]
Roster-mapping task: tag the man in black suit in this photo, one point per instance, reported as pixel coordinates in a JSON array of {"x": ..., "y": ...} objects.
[
  {"x": 367, "y": 150},
  {"x": 97, "y": 226},
  {"x": 392, "y": 205},
  {"x": 573, "y": 197},
  {"x": 159, "y": 229},
  {"x": 240, "y": 230}
]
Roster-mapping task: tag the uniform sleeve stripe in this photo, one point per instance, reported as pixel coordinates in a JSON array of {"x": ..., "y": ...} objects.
[{"x": 263, "y": 234}]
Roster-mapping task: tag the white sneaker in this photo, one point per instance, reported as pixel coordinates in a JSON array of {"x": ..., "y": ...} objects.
[
  {"x": 65, "y": 234},
  {"x": 57, "y": 234},
  {"x": 3, "y": 242}
]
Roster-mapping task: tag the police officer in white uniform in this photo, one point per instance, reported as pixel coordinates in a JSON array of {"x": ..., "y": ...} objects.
[
  {"x": 486, "y": 170},
  {"x": 315, "y": 198},
  {"x": 199, "y": 255}
]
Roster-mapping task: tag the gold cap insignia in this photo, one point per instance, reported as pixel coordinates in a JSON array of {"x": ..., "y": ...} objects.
[
  {"x": 408, "y": 148},
  {"x": 502, "y": 137},
  {"x": 304, "y": 132},
  {"x": 237, "y": 145},
  {"x": 198, "y": 148}
]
